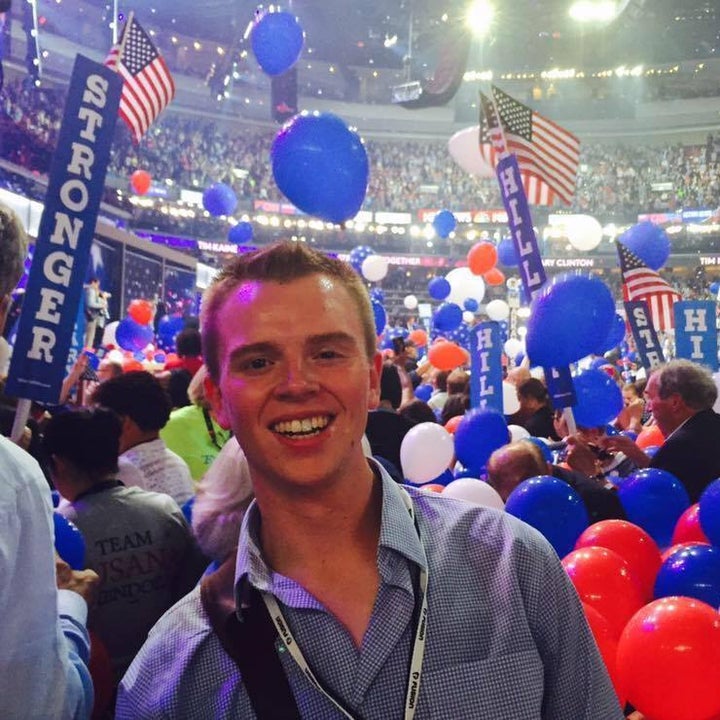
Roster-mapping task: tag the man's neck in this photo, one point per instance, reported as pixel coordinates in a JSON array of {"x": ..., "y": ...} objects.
[{"x": 306, "y": 530}]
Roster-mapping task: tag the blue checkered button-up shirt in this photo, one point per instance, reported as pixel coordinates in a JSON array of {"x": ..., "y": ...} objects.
[{"x": 506, "y": 636}]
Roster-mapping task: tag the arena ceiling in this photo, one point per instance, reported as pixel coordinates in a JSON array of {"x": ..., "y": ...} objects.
[{"x": 532, "y": 34}]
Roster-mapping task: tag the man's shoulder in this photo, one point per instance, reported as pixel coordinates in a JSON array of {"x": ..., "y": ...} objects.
[
  {"x": 18, "y": 469},
  {"x": 483, "y": 532}
]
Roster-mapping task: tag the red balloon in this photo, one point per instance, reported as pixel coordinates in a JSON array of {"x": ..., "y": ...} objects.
[
  {"x": 603, "y": 580},
  {"x": 494, "y": 277},
  {"x": 650, "y": 437},
  {"x": 632, "y": 544},
  {"x": 452, "y": 424},
  {"x": 687, "y": 529},
  {"x": 131, "y": 364},
  {"x": 140, "y": 181},
  {"x": 419, "y": 337},
  {"x": 140, "y": 311},
  {"x": 669, "y": 660},
  {"x": 447, "y": 356},
  {"x": 481, "y": 257},
  {"x": 607, "y": 644},
  {"x": 433, "y": 487}
]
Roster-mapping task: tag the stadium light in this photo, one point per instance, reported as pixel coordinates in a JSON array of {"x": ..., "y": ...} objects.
[
  {"x": 479, "y": 17},
  {"x": 594, "y": 10}
]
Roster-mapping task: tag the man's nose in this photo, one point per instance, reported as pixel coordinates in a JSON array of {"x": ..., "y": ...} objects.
[{"x": 301, "y": 377}]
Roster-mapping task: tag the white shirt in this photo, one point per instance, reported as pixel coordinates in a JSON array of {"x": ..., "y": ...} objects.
[
  {"x": 153, "y": 466},
  {"x": 44, "y": 646}
]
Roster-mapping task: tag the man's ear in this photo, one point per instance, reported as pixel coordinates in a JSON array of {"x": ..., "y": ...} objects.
[
  {"x": 374, "y": 384},
  {"x": 214, "y": 397}
]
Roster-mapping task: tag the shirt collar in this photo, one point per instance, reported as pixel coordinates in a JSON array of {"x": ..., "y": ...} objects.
[{"x": 397, "y": 533}]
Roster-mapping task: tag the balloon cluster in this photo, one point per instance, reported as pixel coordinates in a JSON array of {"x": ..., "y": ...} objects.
[{"x": 135, "y": 331}]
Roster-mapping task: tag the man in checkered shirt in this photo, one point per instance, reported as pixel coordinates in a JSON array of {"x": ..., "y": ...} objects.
[{"x": 391, "y": 603}]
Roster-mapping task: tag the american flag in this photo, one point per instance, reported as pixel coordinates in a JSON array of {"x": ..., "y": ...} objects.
[
  {"x": 548, "y": 155},
  {"x": 148, "y": 86},
  {"x": 642, "y": 283}
]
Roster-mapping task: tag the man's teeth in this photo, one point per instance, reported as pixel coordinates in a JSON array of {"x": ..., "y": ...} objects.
[{"x": 302, "y": 427}]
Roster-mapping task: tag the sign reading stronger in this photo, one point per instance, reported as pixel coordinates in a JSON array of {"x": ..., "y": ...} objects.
[{"x": 75, "y": 187}]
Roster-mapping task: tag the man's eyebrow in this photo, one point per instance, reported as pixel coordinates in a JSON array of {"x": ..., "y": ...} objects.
[
  {"x": 332, "y": 337},
  {"x": 253, "y": 348}
]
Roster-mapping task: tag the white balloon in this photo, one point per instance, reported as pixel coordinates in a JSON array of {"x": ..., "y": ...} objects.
[
  {"x": 463, "y": 285},
  {"x": 465, "y": 151},
  {"x": 474, "y": 491},
  {"x": 517, "y": 432},
  {"x": 584, "y": 232},
  {"x": 374, "y": 268},
  {"x": 497, "y": 310},
  {"x": 511, "y": 404},
  {"x": 410, "y": 302},
  {"x": 513, "y": 346},
  {"x": 426, "y": 451},
  {"x": 108, "y": 337},
  {"x": 115, "y": 356},
  {"x": 468, "y": 316}
]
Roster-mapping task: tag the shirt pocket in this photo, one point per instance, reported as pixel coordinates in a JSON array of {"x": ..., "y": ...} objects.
[{"x": 506, "y": 687}]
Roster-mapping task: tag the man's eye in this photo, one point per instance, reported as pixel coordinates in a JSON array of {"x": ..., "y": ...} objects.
[
  {"x": 328, "y": 355},
  {"x": 257, "y": 364}
]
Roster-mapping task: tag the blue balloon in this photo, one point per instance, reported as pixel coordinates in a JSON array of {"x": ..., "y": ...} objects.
[
  {"x": 599, "y": 399},
  {"x": 444, "y": 223},
  {"x": 507, "y": 255},
  {"x": 615, "y": 336},
  {"x": 710, "y": 512},
  {"x": 651, "y": 450},
  {"x": 447, "y": 317},
  {"x": 552, "y": 507},
  {"x": 444, "y": 479},
  {"x": 219, "y": 199},
  {"x": 477, "y": 436},
  {"x": 544, "y": 449},
  {"x": 377, "y": 294},
  {"x": 438, "y": 288},
  {"x": 93, "y": 359},
  {"x": 187, "y": 509},
  {"x": 611, "y": 430},
  {"x": 692, "y": 571},
  {"x": 654, "y": 499},
  {"x": 649, "y": 242},
  {"x": 568, "y": 316},
  {"x": 321, "y": 166},
  {"x": 160, "y": 357},
  {"x": 69, "y": 542},
  {"x": 380, "y": 317},
  {"x": 629, "y": 433},
  {"x": 358, "y": 255},
  {"x": 240, "y": 233},
  {"x": 471, "y": 305},
  {"x": 424, "y": 392},
  {"x": 131, "y": 335},
  {"x": 715, "y": 288},
  {"x": 55, "y": 498},
  {"x": 277, "y": 40}
]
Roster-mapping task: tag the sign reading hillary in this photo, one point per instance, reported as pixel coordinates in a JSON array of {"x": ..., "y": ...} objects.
[
  {"x": 643, "y": 331},
  {"x": 532, "y": 272},
  {"x": 486, "y": 367},
  {"x": 696, "y": 332},
  {"x": 75, "y": 187}
]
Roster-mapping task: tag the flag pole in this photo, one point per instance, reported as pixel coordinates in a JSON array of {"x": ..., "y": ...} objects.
[{"x": 115, "y": 22}]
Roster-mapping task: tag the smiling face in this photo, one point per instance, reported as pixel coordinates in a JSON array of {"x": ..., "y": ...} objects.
[{"x": 295, "y": 382}]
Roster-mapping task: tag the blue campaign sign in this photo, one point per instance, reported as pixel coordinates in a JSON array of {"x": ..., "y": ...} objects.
[
  {"x": 696, "y": 331},
  {"x": 75, "y": 186},
  {"x": 646, "y": 340},
  {"x": 486, "y": 367},
  {"x": 520, "y": 224},
  {"x": 560, "y": 387}
]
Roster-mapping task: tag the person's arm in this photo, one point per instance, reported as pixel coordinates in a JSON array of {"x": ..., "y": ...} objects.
[
  {"x": 76, "y": 589},
  {"x": 623, "y": 444},
  {"x": 73, "y": 378}
]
